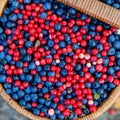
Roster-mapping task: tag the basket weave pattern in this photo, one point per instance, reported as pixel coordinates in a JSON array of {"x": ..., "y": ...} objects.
[{"x": 2, "y": 5}]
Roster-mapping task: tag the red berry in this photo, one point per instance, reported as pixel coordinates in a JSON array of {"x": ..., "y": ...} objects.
[
  {"x": 112, "y": 58},
  {"x": 20, "y": 71},
  {"x": 118, "y": 74},
  {"x": 44, "y": 78},
  {"x": 112, "y": 111},
  {"x": 89, "y": 97},
  {"x": 20, "y": 1},
  {"x": 79, "y": 22},
  {"x": 78, "y": 111},
  {"x": 46, "y": 96},
  {"x": 39, "y": 86},
  {"x": 9, "y": 72},
  {"x": 93, "y": 109},
  {"x": 67, "y": 102},
  {"x": 25, "y": 84},
  {"x": 110, "y": 78},
  {"x": 83, "y": 43},
  {"x": 99, "y": 28},
  {"x": 66, "y": 113},
  {"x": 9, "y": 80},
  {"x": 78, "y": 92},
  {"x": 34, "y": 104},
  {"x": 56, "y": 99},
  {"x": 116, "y": 82},
  {"x": 91, "y": 79},
  {"x": 106, "y": 32},
  {"x": 42, "y": 114},
  {"x": 101, "y": 80},
  {"x": 17, "y": 83},
  {"x": 1, "y": 48},
  {"x": 83, "y": 31},
  {"x": 95, "y": 51},
  {"x": 79, "y": 103},
  {"x": 99, "y": 68},
  {"x": 54, "y": 17},
  {"x": 8, "y": 31},
  {"x": 68, "y": 59},
  {"x": 16, "y": 11},
  {"x": 60, "y": 107}
]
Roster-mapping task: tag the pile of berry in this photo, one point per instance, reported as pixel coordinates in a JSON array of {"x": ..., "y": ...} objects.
[{"x": 55, "y": 61}]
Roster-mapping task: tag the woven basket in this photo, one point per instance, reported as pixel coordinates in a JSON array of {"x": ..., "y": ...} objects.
[{"x": 101, "y": 109}]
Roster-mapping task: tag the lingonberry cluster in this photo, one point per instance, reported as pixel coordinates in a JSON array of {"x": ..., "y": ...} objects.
[{"x": 55, "y": 61}]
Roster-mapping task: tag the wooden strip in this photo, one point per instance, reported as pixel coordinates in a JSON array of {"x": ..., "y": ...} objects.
[
  {"x": 93, "y": 7},
  {"x": 113, "y": 17},
  {"x": 2, "y": 6},
  {"x": 97, "y": 9}
]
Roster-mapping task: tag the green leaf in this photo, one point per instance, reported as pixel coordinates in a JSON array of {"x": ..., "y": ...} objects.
[{"x": 96, "y": 96}]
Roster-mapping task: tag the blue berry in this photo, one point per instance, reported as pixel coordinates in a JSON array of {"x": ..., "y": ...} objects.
[
  {"x": 2, "y": 78},
  {"x": 46, "y": 68},
  {"x": 12, "y": 17},
  {"x": 111, "y": 38},
  {"x": 1, "y": 30},
  {"x": 111, "y": 51},
  {"x": 27, "y": 97},
  {"x": 28, "y": 44},
  {"x": 84, "y": 101},
  {"x": 28, "y": 106},
  {"x": 21, "y": 93},
  {"x": 27, "y": 1},
  {"x": 47, "y": 6},
  {"x": 67, "y": 37},
  {"x": 43, "y": 15},
  {"x": 32, "y": 66},
  {"x": 2, "y": 55},
  {"x": 45, "y": 90},
  {"x": 34, "y": 97},
  {"x": 28, "y": 77},
  {"x": 15, "y": 96},
  {"x": 62, "y": 44},
  {"x": 22, "y": 103},
  {"x": 6, "y": 11},
  {"x": 8, "y": 58},
  {"x": 86, "y": 111},
  {"x": 41, "y": 100},
  {"x": 8, "y": 91},
  {"x": 72, "y": 11},
  {"x": 59, "y": 12},
  {"x": 48, "y": 84},
  {"x": 63, "y": 72},
  {"x": 15, "y": 4},
  {"x": 78, "y": 67},
  {"x": 117, "y": 44},
  {"x": 50, "y": 43},
  {"x": 96, "y": 85},
  {"x": 58, "y": 27},
  {"x": 92, "y": 43},
  {"x": 36, "y": 111}
]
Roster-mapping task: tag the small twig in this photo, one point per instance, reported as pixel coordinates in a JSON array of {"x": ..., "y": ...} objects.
[{"x": 37, "y": 44}]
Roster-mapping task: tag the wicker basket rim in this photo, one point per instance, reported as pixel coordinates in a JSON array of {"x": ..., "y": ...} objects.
[{"x": 106, "y": 105}]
